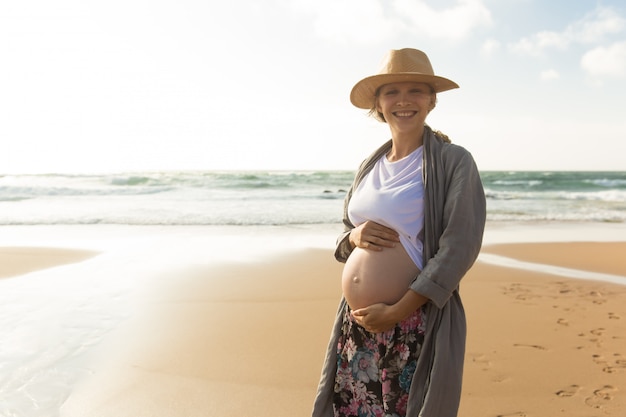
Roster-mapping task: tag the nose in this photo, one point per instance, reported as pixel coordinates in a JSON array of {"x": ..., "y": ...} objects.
[{"x": 404, "y": 99}]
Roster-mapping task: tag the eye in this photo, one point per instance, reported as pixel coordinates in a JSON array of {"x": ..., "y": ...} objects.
[{"x": 390, "y": 92}]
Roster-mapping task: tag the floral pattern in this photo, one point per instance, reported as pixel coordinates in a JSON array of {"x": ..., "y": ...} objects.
[{"x": 374, "y": 370}]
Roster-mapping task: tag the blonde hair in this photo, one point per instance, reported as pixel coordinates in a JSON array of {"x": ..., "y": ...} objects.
[{"x": 442, "y": 136}]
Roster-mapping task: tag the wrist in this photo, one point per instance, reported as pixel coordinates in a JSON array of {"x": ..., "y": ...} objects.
[{"x": 410, "y": 302}]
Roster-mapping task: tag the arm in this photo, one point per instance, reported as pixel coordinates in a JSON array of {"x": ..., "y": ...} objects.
[{"x": 455, "y": 221}]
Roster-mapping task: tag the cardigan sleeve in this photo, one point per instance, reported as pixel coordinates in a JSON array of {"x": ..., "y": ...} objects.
[
  {"x": 458, "y": 209},
  {"x": 343, "y": 248}
]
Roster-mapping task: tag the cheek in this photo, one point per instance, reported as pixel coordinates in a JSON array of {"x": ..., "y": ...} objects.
[
  {"x": 385, "y": 107},
  {"x": 379, "y": 107}
]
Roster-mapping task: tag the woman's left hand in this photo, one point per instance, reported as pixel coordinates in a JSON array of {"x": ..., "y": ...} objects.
[{"x": 376, "y": 318}]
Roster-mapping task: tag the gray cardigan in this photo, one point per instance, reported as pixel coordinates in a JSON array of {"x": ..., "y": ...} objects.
[{"x": 454, "y": 220}]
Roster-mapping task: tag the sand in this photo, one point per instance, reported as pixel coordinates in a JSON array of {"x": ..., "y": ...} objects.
[
  {"x": 234, "y": 338},
  {"x": 540, "y": 345},
  {"x": 21, "y": 260}
]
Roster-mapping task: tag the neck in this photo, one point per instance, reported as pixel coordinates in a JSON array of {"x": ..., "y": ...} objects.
[{"x": 403, "y": 143}]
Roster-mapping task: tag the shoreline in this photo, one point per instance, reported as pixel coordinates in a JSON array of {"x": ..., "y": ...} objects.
[{"x": 192, "y": 321}]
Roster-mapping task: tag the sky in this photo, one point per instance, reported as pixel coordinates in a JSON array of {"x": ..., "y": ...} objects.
[{"x": 146, "y": 85}]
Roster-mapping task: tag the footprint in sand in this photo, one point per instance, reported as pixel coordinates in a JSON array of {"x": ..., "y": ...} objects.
[
  {"x": 569, "y": 391},
  {"x": 601, "y": 396},
  {"x": 598, "y": 332},
  {"x": 519, "y": 292},
  {"x": 596, "y": 297},
  {"x": 606, "y": 367},
  {"x": 500, "y": 378},
  {"x": 620, "y": 362},
  {"x": 614, "y": 316},
  {"x": 563, "y": 322},
  {"x": 483, "y": 361},
  {"x": 538, "y": 347},
  {"x": 610, "y": 366},
  {"x": 599, "y": 359},
  {"x": 516, "y": 414}
]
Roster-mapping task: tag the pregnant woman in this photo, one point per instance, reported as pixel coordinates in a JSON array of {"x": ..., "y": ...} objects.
[{"x": 414, "y": 219}]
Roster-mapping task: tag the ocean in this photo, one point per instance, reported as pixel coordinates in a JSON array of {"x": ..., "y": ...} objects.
[{"x": 281, "y": 198}]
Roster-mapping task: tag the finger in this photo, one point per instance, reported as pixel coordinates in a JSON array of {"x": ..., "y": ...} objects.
[
  {"x": 372, "y": 246},
  {"x": 384, "y": 231},
  {"x": 359, "y": 321},
  {"x": 379, "y": 243},
  {"x": 389, "y": 235},
  {"x": 386, "y": 243}
]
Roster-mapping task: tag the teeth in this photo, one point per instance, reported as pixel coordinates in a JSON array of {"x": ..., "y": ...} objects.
[{"x": 405, "y": 113}]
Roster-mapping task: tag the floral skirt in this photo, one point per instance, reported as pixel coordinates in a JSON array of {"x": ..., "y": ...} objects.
[{"x": 374, "y": 370}]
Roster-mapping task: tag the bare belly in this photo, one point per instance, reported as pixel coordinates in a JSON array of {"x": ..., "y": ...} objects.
[{"x": 371, "y": 277}]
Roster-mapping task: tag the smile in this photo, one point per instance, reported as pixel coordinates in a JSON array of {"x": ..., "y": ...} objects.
[{"x": 404, "y": 113}]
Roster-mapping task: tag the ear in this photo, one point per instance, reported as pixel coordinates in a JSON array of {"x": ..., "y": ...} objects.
[{"x": 433, "y": 102}]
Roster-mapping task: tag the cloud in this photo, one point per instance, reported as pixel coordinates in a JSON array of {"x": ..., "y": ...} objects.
[
  {"x": 348, "y": 21},
  {"x": 549, "y": 75},
  {"x": 592, "y": 28},
  {"x": 606, "y": 61},
  {"x": 595, "y": 26},
  {"x": 454, "y": 23},
  {"x": 539, "y": 42},
  {"x": 490, "y": 47},
  {"x": 371, "y": 21}
]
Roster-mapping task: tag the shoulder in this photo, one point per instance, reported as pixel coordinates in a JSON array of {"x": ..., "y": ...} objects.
[
  {"x": 456, "y": 152},
  {"x": 450, "y": 161},
  {"x": 441, "y": 146}
]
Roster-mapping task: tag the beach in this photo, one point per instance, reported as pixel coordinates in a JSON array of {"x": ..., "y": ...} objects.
[{"x": 195, "y": 321}]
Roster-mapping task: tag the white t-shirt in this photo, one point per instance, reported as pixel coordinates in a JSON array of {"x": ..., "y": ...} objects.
[{"x": 392, "y": 194}]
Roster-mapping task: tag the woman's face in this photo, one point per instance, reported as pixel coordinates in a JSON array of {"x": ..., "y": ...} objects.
[{"x": 405, "y": 105}]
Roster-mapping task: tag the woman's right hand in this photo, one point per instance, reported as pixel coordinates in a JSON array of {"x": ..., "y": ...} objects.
[{"x": 373, "y": 236}]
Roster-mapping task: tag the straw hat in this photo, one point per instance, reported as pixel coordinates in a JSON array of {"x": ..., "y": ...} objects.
[{"x": 399, "y": 66}]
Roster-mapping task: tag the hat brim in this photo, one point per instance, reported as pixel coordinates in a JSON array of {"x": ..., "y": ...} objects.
[{"x": 363, "y": 93}]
